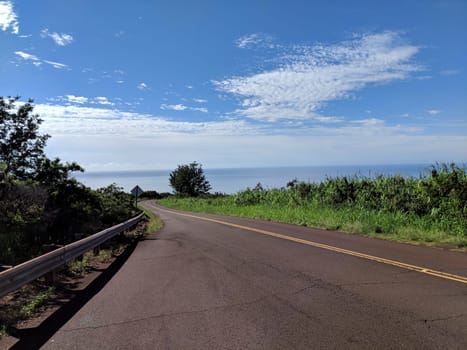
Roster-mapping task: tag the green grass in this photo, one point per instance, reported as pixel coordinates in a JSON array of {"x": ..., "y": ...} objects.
[
  {"x": 80, "y": 266},
  {"x": 394, "y": 226},
  {"x": 154, "y": 222},
  {"x": 40, "y": 299},
  {"x": 3, "y": 330},
  {"x": 431, "y": 208}
]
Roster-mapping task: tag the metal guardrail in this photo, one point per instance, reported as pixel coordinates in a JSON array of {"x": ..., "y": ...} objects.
[{"x": 28, "y": 271}]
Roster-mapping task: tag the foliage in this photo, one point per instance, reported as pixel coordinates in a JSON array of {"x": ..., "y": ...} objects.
[
  {"x": 21, "y": 145},
  {"x": 150, "y": 195},
  {"x": 30, "y": 308},
  {"x": 39, "y": 200},
  {"x": 115, "y": 205},
  {"x": 430, "y": 208},
  {"x": 154, "y": 223},
  {"x": 79, "y": 266},
  {"x": 22, "y": 207},
  {"x": 189, "y": 180}
]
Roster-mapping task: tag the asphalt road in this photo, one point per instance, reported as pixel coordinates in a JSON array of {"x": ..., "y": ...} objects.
[{"x": 200, "y": 284}]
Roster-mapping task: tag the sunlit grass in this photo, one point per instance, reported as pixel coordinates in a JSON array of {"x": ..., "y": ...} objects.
[
  {"x": 154, "y": 223},
  {"x": 393, "y": 226}
]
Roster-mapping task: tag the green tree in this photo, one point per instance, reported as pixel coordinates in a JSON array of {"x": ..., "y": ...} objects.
[
  {"x": 189, "y": 180},
  {"x": 51, "y": 173},
  {"x": 21, "y": 145}
]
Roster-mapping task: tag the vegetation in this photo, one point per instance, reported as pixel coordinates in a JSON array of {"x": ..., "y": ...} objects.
[
  {"x": 39, "y": 200},
  {"x": 21, "y": 146},
  {"x": 154, "y": 223},
  {"x": 189, "y": 180},
  {"x": 27, "y": 302},
  {"x": 30, "y": 308},
  {"x": 431, "y": 208}
]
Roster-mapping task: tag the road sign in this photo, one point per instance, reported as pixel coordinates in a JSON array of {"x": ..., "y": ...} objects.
[{"x": 137, "y": 191}]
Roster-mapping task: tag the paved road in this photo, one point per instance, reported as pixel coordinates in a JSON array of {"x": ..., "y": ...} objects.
[{"x": 201, "y": 284}]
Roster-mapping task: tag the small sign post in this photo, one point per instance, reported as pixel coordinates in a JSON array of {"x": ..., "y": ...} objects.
[{"x": 136, "y": 192}]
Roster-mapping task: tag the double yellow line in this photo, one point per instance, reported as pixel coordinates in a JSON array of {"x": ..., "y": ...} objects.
[{"x": 399, "y": 264}]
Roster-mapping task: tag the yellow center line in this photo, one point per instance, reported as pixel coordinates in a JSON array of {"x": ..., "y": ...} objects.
[{"x": 399, "y": 264}]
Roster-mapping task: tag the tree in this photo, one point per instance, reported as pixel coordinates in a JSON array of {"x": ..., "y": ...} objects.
[
  {"x": 189, "y": 180},
  {"x": 51, "y": 173},
  {"x": 21, "y": 145}
]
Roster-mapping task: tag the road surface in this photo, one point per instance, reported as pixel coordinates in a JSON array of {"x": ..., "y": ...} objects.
[{"x": 229, "y": 283}]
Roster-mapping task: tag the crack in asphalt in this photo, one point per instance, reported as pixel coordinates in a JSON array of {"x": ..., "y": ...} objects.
[
  {"x": 369, "y": 283},
  {"x": 266, "y": 295},
  {"x": 445, "y": 318},
  {"x": 181, "y": 313}
]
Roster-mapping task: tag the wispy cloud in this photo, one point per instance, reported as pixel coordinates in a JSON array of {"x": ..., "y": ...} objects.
[
  {"x": 433, "y": 111},
  {"x": 101, "y": 100},
  {"x": 180, "y": 107},
  {"x": 61, "y": 39},
  {"x": 80, "y": 120},
  {"x": 77, "y": 99},
  {"x": 29, "y": 57},
  {"x": 56, "y": 64},
  {"x": 308, "y": 77},
  {"x": 200, "y": 100},
  {"x": 81, "y": 100},
  {"x": 38, "y": 61},
  {"x": 8, "y": 17},
  {"x": 255, "y": 39},
  {"x": 142, "y": 86}
]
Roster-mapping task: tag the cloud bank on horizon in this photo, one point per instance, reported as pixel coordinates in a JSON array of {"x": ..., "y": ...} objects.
[{"x": 255, "y": 100}]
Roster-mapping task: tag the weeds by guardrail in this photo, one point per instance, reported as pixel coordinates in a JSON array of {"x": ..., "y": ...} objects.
[{"x": 28, "y": 271}]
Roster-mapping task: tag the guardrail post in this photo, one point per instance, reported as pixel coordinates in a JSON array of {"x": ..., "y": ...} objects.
[
  {"x": 51, "y": 276},
  {"x": 96, "y": 250},
  {"x": 77, "y": 237}
]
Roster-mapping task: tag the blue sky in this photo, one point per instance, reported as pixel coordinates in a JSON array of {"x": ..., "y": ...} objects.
[{"x": 153, "y": 84}]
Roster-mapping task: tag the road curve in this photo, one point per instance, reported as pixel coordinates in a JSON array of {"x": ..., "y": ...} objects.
[{"x": 228, "y": 283}]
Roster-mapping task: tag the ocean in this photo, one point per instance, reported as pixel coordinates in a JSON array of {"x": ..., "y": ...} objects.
[{"x": 233, "y": 180}]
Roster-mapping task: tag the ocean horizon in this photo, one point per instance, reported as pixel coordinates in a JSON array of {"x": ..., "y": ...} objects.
[{"x": 232, "y": 180}]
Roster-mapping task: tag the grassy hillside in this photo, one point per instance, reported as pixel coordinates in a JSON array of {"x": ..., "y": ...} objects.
[{"x": 429, "y": 209}]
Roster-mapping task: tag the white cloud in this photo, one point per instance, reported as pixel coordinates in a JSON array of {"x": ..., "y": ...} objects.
[
  {"x": 80, "y": 100},
  {"x": 200, "y": 100},
  {"x": 27, "y": 56},
  {"x": 8, "y": 17},
  {"x": 77, "y": 99},
  {"x": 103, "y": 101},
  {"x": 127, "y": 140},
  {"x": 310, "y": 76},
  {"x": 180, "y": 107},
  {"x": 61, "y": 39},
  {"x": 143, "y": 86},
  {"x": 434, "y": 111},
  {"x": 255, "y": 39},
  {"x": 56, "y": 64},
  {"x": 79, "y": 120},
  {"x": 38, "y": 62}
]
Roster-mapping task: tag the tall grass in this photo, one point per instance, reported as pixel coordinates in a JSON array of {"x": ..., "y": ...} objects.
[{"x": 430, "y": 208}]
